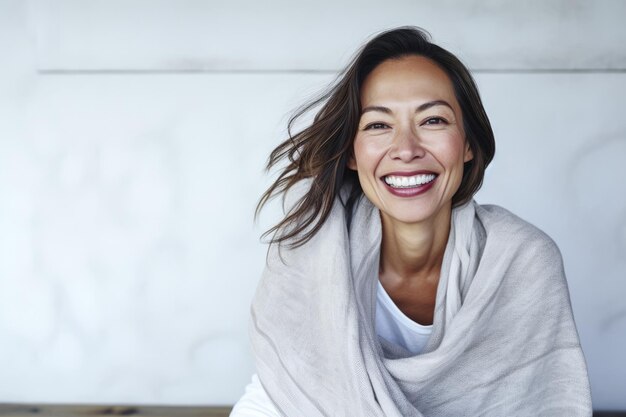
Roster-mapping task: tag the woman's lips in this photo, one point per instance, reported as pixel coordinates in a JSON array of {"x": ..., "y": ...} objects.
[{"x": 409, "y": 184}]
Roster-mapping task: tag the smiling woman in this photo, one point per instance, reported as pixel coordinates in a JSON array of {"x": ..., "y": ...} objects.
[{"x": 388, "y": 291}]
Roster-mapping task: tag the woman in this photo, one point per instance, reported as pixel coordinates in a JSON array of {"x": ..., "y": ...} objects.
[{"x": 388, "y": 291}]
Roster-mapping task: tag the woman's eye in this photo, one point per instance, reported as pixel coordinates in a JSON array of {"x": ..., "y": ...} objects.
[
  {"x": 376, "y": 126},
  {"x": 435, "y": 121}
]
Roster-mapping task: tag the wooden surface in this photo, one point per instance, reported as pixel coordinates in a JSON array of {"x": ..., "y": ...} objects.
[{"x": 58, "y": 410}]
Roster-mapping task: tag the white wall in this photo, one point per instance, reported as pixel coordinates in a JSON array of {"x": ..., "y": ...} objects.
[{"x": 132, "y": 141}]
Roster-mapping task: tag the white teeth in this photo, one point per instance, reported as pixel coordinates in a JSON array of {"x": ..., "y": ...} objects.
[{"x": 405, "y": 182}]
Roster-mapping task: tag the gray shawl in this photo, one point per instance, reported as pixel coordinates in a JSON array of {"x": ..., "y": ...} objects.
[{"x": 503, "y": 343}]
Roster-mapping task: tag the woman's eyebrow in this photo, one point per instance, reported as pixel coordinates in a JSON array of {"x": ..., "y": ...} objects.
[
  {"x": 419, "y": 108},
  {"x": 381, "y": 109},
  {"x": 433, "y": 103}
]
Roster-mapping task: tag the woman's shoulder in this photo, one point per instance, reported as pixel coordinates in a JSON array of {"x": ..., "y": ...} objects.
[{"x": 509, "y": 229}]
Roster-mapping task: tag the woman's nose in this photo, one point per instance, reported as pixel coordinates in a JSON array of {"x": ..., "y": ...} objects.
[{"x": 406, "y": 146}]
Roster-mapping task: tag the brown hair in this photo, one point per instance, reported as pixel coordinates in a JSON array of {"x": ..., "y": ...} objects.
[{"x": 321, "y": 151}]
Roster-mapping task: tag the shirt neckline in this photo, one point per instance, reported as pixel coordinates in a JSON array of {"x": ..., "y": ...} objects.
[{"x": 392, "y": 308}]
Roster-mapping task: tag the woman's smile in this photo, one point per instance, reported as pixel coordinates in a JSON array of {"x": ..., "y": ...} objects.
[{"x": 409, "y": 184}]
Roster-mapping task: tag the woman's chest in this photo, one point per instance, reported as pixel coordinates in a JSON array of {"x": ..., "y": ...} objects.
[{"x": 416, "y": 300}]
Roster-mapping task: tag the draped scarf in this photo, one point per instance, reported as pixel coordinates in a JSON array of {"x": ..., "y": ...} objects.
[{"x": 503, "y": 341}]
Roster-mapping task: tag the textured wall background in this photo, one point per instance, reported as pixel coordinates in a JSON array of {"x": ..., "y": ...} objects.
[{"x": 132, "y": 139}]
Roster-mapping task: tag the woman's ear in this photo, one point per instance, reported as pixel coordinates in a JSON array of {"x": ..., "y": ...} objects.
[
  {"x": 469, "y": 155},
  {"x": 352, "y": 163}
]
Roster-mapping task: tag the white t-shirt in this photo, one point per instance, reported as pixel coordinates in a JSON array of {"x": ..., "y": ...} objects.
[{"x": 391, "y": 325}]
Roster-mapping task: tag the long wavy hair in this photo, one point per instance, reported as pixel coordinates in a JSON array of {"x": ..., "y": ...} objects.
[{"x": 321, "y": 151}]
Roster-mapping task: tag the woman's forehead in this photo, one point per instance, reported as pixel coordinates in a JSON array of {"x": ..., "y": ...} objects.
[{"x": 412, "y": 78}]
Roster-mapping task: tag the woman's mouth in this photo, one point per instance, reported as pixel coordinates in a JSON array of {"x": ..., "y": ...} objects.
[
  {"x": 409, "y": 185},
  {"x": 408, "y": 182}
]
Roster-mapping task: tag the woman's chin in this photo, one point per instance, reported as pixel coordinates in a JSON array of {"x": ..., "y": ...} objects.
[{"x": 412, "y": 217}]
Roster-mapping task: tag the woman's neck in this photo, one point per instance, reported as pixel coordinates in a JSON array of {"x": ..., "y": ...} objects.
[{"x": 414, "y": 252}]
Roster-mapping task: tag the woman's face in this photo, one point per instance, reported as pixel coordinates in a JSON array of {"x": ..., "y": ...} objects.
[{"x": 410, "y": 145}]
